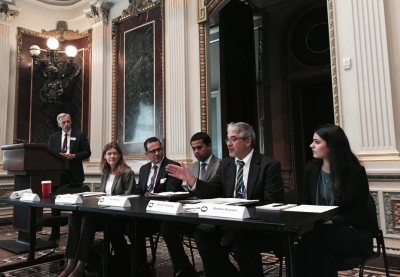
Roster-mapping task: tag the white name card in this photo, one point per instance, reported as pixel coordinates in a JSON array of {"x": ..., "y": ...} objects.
[
  {"x": 68, "y": 199},
  {"x": 114, "y": 201},
  {"x": 165, "y": 207},
  {"x": 17, "y": 194},
  {"x": 228, "y": 211},
  {"x": 26, "y": 196}
]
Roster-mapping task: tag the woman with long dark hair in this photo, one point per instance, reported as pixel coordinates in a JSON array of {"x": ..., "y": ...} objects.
[
  {"x": 117, "y": 178},
  {"x": 334, "y": 178}
]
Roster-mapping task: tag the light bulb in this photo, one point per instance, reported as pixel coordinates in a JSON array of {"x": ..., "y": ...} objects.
[
  {"x": 71, "y": 51},
  {"x": 52, "y": 43},
  {"x": 35, "y": 50}
]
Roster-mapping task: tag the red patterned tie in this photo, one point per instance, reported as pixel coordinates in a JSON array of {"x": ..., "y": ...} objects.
[{"x": 64, "y": 148}]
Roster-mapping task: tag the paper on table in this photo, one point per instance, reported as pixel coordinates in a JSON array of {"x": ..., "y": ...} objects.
[
  {"x": 276, "y": 206},
  {"x": 90, "y": 193},
  {"x": 310, "y": 209},
  {"x": 170, "y": 193},
  {"x": 228, "y": 201}
]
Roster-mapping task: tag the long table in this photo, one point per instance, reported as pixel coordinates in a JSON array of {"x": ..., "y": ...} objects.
[
  {"x": 33, "y": 205},
  {"x": 291, "y": 224}
]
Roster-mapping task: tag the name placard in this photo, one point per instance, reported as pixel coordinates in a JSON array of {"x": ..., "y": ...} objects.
[
  {"x": 228, "y": 211},
  {"x": 68, "y": 198},
  {"x": 165, "y": 207},
  {"x": 26, "y": 196},
  {"x": 17, "y": 194},
  {"x": 114, "y": 201}
]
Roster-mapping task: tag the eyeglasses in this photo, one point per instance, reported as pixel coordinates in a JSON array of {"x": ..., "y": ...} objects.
[
  {"x": 152, "y": 152},
  {"x": 232, "y": 139}
]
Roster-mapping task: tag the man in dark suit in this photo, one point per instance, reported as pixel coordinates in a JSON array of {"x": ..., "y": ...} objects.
[
  {"x": 245, "y": 174},
  {"x": 204, "y": 168},
  {"x": 72, "y": 144},
  {"x": 153, "y": 178}
]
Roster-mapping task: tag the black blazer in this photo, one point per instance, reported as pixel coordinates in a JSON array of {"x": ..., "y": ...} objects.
[
  {"x": 80, "y": 147},
  {"x": 264, "y": 181},
  {"x": 353, "y": 214},
  {"x": 163, "y": 183},
  {"x": 124, "y": 183}
]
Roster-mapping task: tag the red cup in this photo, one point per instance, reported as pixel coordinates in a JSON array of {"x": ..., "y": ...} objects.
[{"x": 46, "y": 188}]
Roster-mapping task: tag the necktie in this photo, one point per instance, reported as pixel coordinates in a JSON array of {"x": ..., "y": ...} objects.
[
  {"x": 65, "y": 142},
  {"x": 152, "y": 181},
  {"x": 202, "y": 170},
  {"x": 239, "y": 180}
]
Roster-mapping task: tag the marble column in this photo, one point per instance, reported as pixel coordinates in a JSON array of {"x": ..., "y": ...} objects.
[
  {"x": 176, "y": 85},
  {"x": 98, "y": 95},
  {"x": 366, "y": 94},
  {"x": 4, "y": 77}
]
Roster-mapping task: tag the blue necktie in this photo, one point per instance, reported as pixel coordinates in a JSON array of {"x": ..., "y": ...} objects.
[
  {"x": 239, "y": 180},
  {"x": 203, "y": 171},
  {"x": 152, "y": 181}
]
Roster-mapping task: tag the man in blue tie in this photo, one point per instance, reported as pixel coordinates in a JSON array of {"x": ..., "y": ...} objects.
[
  {"x": 204, "y": 168},
  {"x": 245, "y": 174}
]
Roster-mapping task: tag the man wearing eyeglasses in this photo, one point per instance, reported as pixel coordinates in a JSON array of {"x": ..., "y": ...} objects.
[
  {"x": 153, "y": 178},
  {"x": 245, "y": 174}
]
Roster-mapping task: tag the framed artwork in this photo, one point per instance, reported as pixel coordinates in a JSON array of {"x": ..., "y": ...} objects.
[{"x": 138, "y": 77}]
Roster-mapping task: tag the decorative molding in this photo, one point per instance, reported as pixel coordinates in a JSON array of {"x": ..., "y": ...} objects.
[
  {"x": 210, "y": 5},
  {"x": 134, "y": 9},
  {"x": 61, "y": 32},
  {"x": 98, "y": 13},
  {"x": 203, "y": 78},
  {"x": 8, "y": 12},
  {"x": 334, "y": 68},
  {"x": 202, "y": 14},
  {"x": 383, "y": 176},
  {"x": 396, "y": 212},
  {"x": 391, "y": 221}
]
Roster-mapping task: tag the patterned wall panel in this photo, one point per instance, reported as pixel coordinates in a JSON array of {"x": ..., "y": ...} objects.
[
  {"x": 376, "y": 200},
  {"x": 391, "y": 217}
]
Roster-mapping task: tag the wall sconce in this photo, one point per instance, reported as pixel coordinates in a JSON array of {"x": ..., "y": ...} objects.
[{"x": 52, "y": 52}]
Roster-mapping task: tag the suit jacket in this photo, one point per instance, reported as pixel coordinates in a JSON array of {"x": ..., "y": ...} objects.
[
  {"x": 124, "y": 183},
  {"x": 353, "y": 214},
  {"x": 264, "y": 180},
  {"x": 80, "y": 147},
  {"x": 164, "y": 182},
  {"x": 212, "y": 168}
]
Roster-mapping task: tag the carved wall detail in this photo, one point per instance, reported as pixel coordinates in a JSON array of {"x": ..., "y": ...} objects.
[
  {"x": 391, "y": 205},
  {"x": 7, "y": 12}
]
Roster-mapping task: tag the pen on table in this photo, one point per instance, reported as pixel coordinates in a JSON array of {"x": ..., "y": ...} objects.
[{"x": 278, "y": 205}]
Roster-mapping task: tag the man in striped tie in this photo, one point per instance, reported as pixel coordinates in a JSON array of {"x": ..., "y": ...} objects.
[{"x": 245, "y": 174}]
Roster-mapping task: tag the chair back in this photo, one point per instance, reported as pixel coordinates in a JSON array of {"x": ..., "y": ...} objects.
[
  {"x": 373, "y": 218},
  {"x": 292, "y": 197},
  {"x": 72, "y": 188}
]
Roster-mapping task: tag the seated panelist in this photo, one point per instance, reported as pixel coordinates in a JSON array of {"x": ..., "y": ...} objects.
[
  {"x": 204, "y": 168},
  {"x": 117, "y": 178},
  {"x": 245, "y": 174},
  {"x": 153, "y": 178},
  {"x": 334, "y": 178}
]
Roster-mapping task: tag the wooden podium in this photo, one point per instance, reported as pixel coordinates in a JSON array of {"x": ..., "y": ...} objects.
[{"x": 30, "y": 163}]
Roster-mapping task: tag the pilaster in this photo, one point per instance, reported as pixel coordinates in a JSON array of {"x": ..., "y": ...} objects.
[
  {"x": 98, "y": 84},
  {"x": 176, "y": 80}
]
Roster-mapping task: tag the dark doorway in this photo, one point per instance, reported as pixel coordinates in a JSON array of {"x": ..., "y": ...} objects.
[{"x": 312, "y": 105}]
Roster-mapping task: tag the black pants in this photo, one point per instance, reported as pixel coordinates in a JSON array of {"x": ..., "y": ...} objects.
[
  {"x": 172, "y": 233},
  {"x": 81, "y": 231},
  {"x": 120, "y": 226},
  {"x": 319, "y": 249},
  {"x": 246, "y": 247}
]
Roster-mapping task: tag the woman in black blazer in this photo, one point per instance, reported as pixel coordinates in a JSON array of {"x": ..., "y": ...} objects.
[
  {"x": 334, "y": 178},
  {"x": 118, "y": 178}
]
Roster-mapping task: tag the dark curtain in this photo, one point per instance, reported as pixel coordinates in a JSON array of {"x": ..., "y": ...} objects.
[{"x": 238, "y": 69}]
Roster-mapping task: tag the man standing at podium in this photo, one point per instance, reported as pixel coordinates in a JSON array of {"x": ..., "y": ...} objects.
[{"x": 72, "y": 144}]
